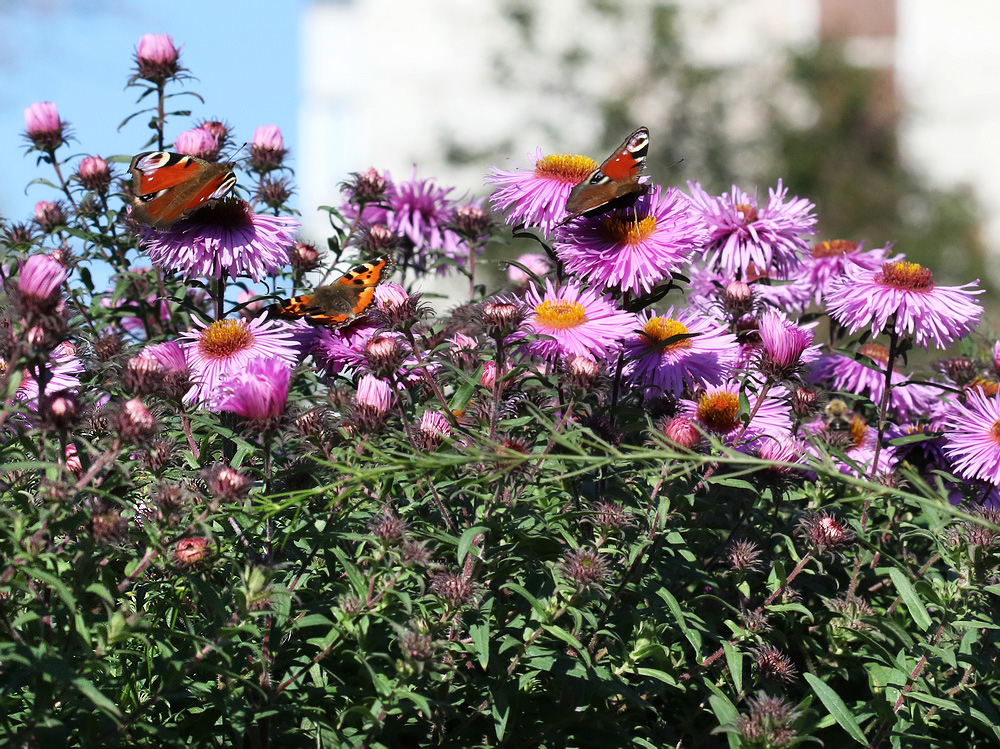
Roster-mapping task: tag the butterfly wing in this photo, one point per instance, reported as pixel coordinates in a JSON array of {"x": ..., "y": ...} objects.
[
  {"x": 169, "y": 186},
  {"x": 614, "y": 180},
  {"x": 340, "y": 302}
]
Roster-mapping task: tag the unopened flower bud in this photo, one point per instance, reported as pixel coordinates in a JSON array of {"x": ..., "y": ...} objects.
[
  {"x": 274, "y": 192},
  {"x": 501, "y": 318},
  {"x": 582, "y": 372},
  {"x": 43, "y": 128},
  {"x": 681, "y": 431},
  {"x": 267, "y": 148},
  {"x": 49, "y": 216},
  {"x": 190, "y": 552},
  {"x": 737, "y": 299},
  {"x": 367, "y": 187},
  {"x": 226, "y": 483},
  {"x": 134, "y": 422},
  {"x": 156, "y": 58},
  {"x": 472, "y": 222},
  {"x": 803, "y": 401},
  {"x": 434, "y": 428},
  {"x": 60, "y": 410},
  {"x": 377, "y": 239},
  {"x": 143, "y": 375},
  {"x": 94, "y": 174},
  {"x": 304, "y": 257},
  {"x": 456, "y": 589}
]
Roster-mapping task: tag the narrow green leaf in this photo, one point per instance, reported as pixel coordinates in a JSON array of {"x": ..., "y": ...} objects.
[
  {"x": 675, "y": 608},
  {"x": 465, "y": 542},
  {"x": 831, "y": 700},
  {"x": 734, "y": 659},
  {"x": 480, "y": 634},
  {"x": 913, "y": 603},
  {"x": 97, "y": 697}
]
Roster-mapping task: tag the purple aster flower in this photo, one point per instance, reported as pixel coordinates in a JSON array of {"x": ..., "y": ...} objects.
[
  {"x": 421, "y": 211},
  {"x": 705, "y": 358},
  {"x": 782, "y": 345},
  {"x": 741, "y": 232},
  {"x": 217, "y": 351},
  {"x": 335, "y": 350},
  {"x": 63, "y": 370},
  {"x": 718, "y": 410},
  {"x": 906, "y": 293},
  {"x": 258, "y": 392},
  {"x": 169, "y": 355},
  {"x": 225, "y": 239},
  {"x": 374, "y": 396},
  {"x": 538, "y": 197},
  {"x": 634, "y": 248},
  {"x": 857, "y": 445},
  {"x": 575, "y": 321},
  {"x": 43, "y": 127},
  {"x": 972, "y": 437},
  {"x": 844, "y": 374},
  {"x": 826, "y": 262}
]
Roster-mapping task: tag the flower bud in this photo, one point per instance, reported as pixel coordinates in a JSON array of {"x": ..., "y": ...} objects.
[
  {"x": 267, "y": 148},
  {"x": 190, "y": 552},
  {"x": 274, "y": 192},
  {"x": 501, "y": 318},
  {"x": 60, "y": 410},
  {"x": 455, "y": 589},
  {"x": 198, "y": 142},
  {"x": 227, "y": 483},
  {"x": 49, "y": 216},
  {"x": 134, "y": 422},
  {"x": 433, "y": 430},
  {"x": 377, "y": 239},
  {"x": 143, "y": 375},
  {"x": 681, "y": 431},
  {"x": 94, "y": 174},
  {"x": 582, "y": 373},
  {"x": 472, "y": 222},
  {"x": 367, "y": 187},
  {"x": 43, "y": 127},
  {"x": 156, "y": 58},
  {"x": 304, "y": 257}
]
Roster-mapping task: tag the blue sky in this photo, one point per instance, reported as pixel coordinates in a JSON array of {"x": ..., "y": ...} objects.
[{"x": 78, "y": 54}]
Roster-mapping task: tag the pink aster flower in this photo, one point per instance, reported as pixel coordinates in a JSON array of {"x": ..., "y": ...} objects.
[
  {"x": 575, "y": 321},
  {"x": 43, "y": 128},
  {"x": 199, "y": 142},
  {"x": 335, "y": 350},
  {"x": 156, "y": 57},
  {"x": 906, "y": 293},
  {"x": 225, "y": 239},
  {"x": 844, "y": 374},
  {"x": 169, "y": 355},
  {"x": 718, "y": 409},
  {"x": 972, "y": 437},
  {"x": 374, "y": 396},
  {"x": 258, "y": 392},
  {"x": 782, "y": 344},
  {"x": 743, "y": 232},
  {"x": 267, "y": 148},
  {"x": 634, "y": 248},
  {"x": 825, "y": 263},
  {"x": 538, "y": 197},
  {"x": 706, "y": 357},
  {"x": 40, "y": 279},
  {"x": 537, "y": 264},
  {"x": 217, "y": 351}
]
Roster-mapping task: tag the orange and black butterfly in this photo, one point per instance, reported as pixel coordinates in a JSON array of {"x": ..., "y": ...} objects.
[
  {"x": 614, "y": 183},
  {"x": 339, "y": 303}
]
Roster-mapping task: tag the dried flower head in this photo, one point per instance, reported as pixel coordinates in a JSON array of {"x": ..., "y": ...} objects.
[
  {"x": 456, "y": 589},
  {"x": 585, "y": 569},
  {"x": 774, "y": 665},
  {"x": 769, "y": 722},
  {"x": 388, "y": 527},
  {"x": 824, "y": 531},
  {"x": 744, "y": 556},
  {"x": 226, "y": 483}
]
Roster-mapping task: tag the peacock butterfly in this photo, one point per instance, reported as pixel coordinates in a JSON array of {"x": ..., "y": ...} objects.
[
  {"x": 171, "y": 186},
  {"x": 614, "y": 183}
]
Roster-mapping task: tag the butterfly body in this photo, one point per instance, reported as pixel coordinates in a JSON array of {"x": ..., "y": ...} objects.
[
  {"x": 614, "y": 183},
  {"x": 339, "y": 303},
  {"x": 170, "y": 186}
]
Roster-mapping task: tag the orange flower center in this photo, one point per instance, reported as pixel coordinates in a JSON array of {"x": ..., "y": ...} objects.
[
  {"x": 627, "y": 229},
  {"x": 833, "y": 248},
  {"x": 660, "y": 329},
  {"x": 747, "y": 212},
  {"x": 564, "y": 167},
  {"x": 876, "y": 352},
  {"x": 717, "y": 411},
  {"x": 989, "y": 388},
  {"x": 560, "y": 314},
  {"x": 223, "y": 338},
  {"x": 859, "y": 428},
  {"x": 906, "y": 276}
]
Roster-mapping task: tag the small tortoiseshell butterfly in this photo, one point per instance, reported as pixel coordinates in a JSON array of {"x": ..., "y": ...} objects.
[
  {"x": 615, "y": 182},
  {"x": 339, "y": 303},
  {"x": 170, "y": 186}
]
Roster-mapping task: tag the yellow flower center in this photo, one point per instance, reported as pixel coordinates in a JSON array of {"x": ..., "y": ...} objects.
[
  {"x": 906, "y": 276},
  {"x": 717, "y": 411},
  {"x": 747, "y": 212},
  {"x": 564, "y": 167},
  {"x": 626, "y": 229},
  {"x": 561, "y": 314},
  {"x": 660, "y": 329},
  {"x": 223, "y": 338},
  {"x": 833, "y": 248}
]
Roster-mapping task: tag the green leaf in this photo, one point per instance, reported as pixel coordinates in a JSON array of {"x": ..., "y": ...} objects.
[
  {"x": 913, "y": 603},
  {"x": 675, "y": 608},
  {"x": 465, "y": 542},
  {"x": 831, "y": 700},
  {"x": 480, "y": 634},
  {"x": 97, "y": 697},
  {"x": 734, "y": 659}
]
